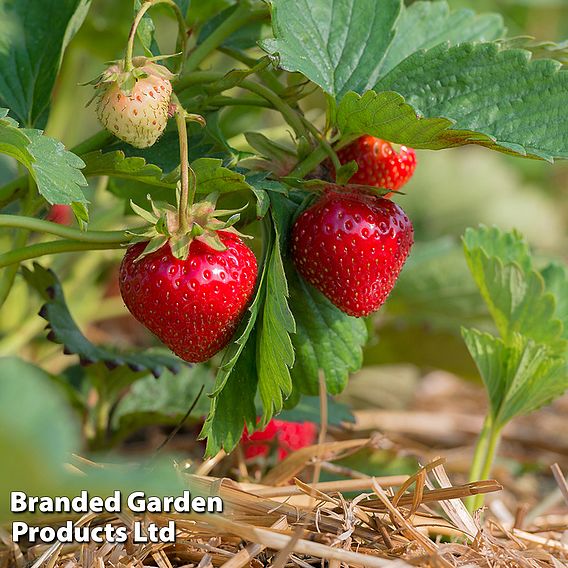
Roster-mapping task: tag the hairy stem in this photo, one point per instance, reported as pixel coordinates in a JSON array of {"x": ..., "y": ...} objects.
[
  {"x": 186, "y": 200},
  {"x": 53, "y": 247}
]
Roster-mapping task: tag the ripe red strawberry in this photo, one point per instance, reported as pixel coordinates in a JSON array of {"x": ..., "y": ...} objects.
[
  {"x": 192, "y": 305},
  {"x": 285, "y": 437},
  {"x": 134, "y": 105},
  {"x": 379, "y": 164},
  {"x": 351, "y": 246},
  {"x": 60, "y": 214}
]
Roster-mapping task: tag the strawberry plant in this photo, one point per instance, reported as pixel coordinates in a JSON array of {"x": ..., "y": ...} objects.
[{"x": 259, "y": 255}]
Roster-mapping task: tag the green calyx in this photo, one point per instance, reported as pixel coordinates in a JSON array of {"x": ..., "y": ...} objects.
[
  {"x": 143, "y": 67},
  {"x": 202, "y": 225}
]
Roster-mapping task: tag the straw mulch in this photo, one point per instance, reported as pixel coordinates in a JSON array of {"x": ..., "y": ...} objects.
[{"x": 392, "y": 522}]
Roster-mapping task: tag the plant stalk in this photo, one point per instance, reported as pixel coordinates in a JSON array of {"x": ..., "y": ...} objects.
[
  {"x": 483, "y": 458},
  {"x": 52, "y": 247},
  {"x": 182, "y": 35},
  {"x": 40, "y": 226},
  {"x": 186, "y": 200}
]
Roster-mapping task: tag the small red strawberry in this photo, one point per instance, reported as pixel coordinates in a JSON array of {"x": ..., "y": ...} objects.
[
  {"x": 188, "y": 284},
  {"x": 285, "y": 437},
  {"x": 379, "y": 164},
  {"x": 134, "y": 105},
  {"x": 351, "y": 246},
  {"x": 60, "y": 214}
]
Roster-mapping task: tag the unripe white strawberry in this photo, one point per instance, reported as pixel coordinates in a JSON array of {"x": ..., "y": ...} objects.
[{"x": 134, "y": 105}]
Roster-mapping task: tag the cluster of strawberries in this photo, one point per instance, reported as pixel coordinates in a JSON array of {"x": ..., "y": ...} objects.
[{"x": 351, "y": 244}]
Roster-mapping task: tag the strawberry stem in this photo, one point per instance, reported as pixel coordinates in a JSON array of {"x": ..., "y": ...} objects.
[
  {"x": 182, "y": 33},
  {"x": 186, "y": 196},
  {"x": 323, "y": 143}
]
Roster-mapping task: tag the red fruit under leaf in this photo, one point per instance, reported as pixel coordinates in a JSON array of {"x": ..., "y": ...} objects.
[
  {"x": 194, "y": 306},
  {"x": 379, "y": 164},
  {"x": 60, "y": 214},
  {"x": 351, "y": 246},
  {"x": 285, "y": 437}
]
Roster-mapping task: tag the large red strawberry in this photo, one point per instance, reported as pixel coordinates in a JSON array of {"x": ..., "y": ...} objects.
[
  {"x": 192, "y": 305},
  {"x": 188, "y": 277},
  {"x": 134, "y": 105},
  {"x": 379, "y": 164},
  {"x": 280, "y": 435},
  {"x": 351, "y": 246}
]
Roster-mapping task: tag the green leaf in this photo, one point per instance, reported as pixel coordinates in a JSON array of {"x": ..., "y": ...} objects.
[
  {"x": 520, "y": 376},
  {"x": 426, "y": 24},
  {"x": 233, "y": 406},
  {"x": 245, "y": 366},
  {"x": 64, "y": 330},
  {"x": 41, "y": 438},
  {"x": 275, "y": 354},
  {"x": 387, "y": 115},
  {"x": 514, "y": 293},
  {"x": 116, "y": 164},
  {"x": 325, "y": 339},
  {"x": 33, "y": 37},
  {"x": 213, "y": 176},
  {"x": 232, "y": 399},
  {"x": 338, "y": 44},
  {"x": 162, "y": 402},
  {"x": 497, "y": 98},
  {"x": 55, "y": 170}
]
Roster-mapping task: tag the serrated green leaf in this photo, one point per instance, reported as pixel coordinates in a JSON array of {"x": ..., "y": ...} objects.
[
  {"x": 275, "y": 354},
  {"x": 520, "y": 376},
  {"x": 64, "y": 330},
  {"x": 337, "y": 44},
  {"x": 514, "y": 293},
  {"x": 233, "y": 407},
  {"x": 116, "y": 164},
  {"x": 325, "y": 339},
  {"x": 495, "y": 97},
  {"x": 212, "y": 177},
  {"x": 33, "y": 37},
  {"x": 423, "y": 25},
  {"x": 55, "y": 170},
  {"x": 237, "y": 379},
  {"x": 244, "y": 366}
]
